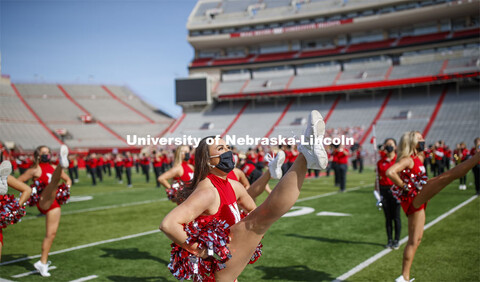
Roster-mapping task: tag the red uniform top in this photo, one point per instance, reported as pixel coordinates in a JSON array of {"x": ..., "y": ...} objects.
[
  {"x": 119, "y": 163},
  {"x": 47, "y": 172},
  {"x": 342, "y": 157},
  {"x": 288, "y": 155},
  {"x": 382, "y": 154},
  {"x": 407, "y": 200},
  {"x": 473, "y": 151},
  {"x": 26, "y": 164},
  {"x": 382, "y": 166},
  {"x": 101, "y": 161},
  {"x": 439, "y": 153},
  {"x": 187, "y": 173},
  {"x": 92, "y": 163},
  {"x": 228, "y": 209},
  {"x": 232, "y": 175},
  {"x": 157, "y": 162},
  {"x": 293, "y": 156},
  {"x": 260, "y": 157},
  {"x": 145, "y": 161},
  {"x": 334, "y": 156},
  {"x": 192, "y": 159},
  {"x": 128, "y": 162},
  {"x": 252, "y": 157},
  {"x": 71, "y": 164},
  {"x": 248, "y": 168}
]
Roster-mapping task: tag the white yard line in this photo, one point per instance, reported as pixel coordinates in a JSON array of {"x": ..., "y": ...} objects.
[
  {"x": 85, "y": 278},
  {"x": 31, "y": 272},
  {"x": 83, "y": 246},
  {"x": 103, "y": 208},
  {"x": 377, "y": 256}
]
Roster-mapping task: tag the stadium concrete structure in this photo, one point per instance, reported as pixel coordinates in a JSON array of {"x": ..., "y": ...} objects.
[{"x": 401, "y": 65}]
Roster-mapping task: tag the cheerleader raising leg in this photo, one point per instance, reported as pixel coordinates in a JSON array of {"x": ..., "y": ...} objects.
[
  {"x": 7, "y": 180},
  {"x": 414, "y": 200},
  {"x": 247, "y": 233},
  {"x": 44, "y": 172}
]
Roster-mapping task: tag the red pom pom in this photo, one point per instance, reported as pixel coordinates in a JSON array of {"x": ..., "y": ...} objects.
[
  {"x": 10, "y": 210},
  {"x": 62, "y": 197},
  {"x": 414, "y": 183},
  {"x": 174, "y": 189}
]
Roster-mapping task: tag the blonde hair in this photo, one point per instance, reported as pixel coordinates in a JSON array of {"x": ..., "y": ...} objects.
[
  {"x": 408, "y": 144},
  {"x": 178, "y": 155}
]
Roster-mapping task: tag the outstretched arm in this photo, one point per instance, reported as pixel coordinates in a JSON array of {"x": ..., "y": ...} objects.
[
  {"x": 197, "y": 203},
  {"x": 27, "y": 175},
  {"x": 21, "y": 187}
]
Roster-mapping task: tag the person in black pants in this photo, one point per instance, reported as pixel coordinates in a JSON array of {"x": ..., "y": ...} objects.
[
  {"x": 342, "y": 154},
  {"x": 476, "y": 169},
  {"x": 391, "y": 207},
  {"x": 128, "y": 163}
]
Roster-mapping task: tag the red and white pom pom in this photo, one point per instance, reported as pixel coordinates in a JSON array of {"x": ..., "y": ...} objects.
[
  {"x": 211, "y": 235},
  {"x": 37, "y": 188},
  {"x": 10, "y": 210},
  {"x": 414, "y": 183},
  {"x": 63, "y": 194},
  {"x": 174, "y": 189}
]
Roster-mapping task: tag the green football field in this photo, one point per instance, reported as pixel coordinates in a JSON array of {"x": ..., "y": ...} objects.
[{"x": 114, "y": 236}]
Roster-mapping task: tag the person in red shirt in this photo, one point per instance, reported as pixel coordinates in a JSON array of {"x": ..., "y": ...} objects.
[
  {"x": 461, "y": 153},
  {"x": 476, "y": 169},
  {"x": 145, "y": 164},
  {"x": 439, "y": 154},
  {"x": 73, "y": 168},
  {"x": 92, "y": 164},
  {"x": 157, "y": 165},
  {"x": 260, "y": 158},
  {"x": 119, "y": 167},
  {"x": 391, "y": 207},
  {"x": 342, "y": 155},
  {"x": 128, "y": 163},
  {"x": 100, "y": 167}
]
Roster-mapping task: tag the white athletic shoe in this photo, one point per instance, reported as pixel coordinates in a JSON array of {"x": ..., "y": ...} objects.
[
  {"x": 5, "y": 170},
  {"x": 64, "y": 156},
  {"x": 42, "y": 268},
  {"x": 401, "y": 279},
  {"x": 314, "y": 153},
  {"x": 275, "y": 164}
]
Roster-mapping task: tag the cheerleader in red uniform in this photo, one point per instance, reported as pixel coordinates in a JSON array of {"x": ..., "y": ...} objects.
[
  {"x": 7, "y": 180},
  {"x": 213, "y": 196},
  {"x": 44, "y": 172},
  {"x": 414, "y": 191},
  {"x": 181, "y": 173}
]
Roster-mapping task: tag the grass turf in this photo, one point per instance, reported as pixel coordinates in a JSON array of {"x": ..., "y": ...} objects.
[{"x": 303, "y": 248}]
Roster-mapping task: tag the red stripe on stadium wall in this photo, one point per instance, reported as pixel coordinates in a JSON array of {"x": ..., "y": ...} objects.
[
  {"x": 280, "y": 118},
  {"x": 330, "y": 112},
  {"x": 289, "y": 82},
  {"x": 40, "y": 121},
  {"x": 127, "y": 105},
  {"x": 444, "y": 66},
  {"x": 389, "y": 71},
  {"x": 178, "y": 123},
  {"x": 355, "y": 86},
  {"x": 435, "y": 112},
  {"x": 88, "y": 113},
  {"x": 244, "y": 85},
  {"x": 337, "y": 77},
  {"x": 235, "y": 119},
  {"x": 166, "y": 129},
  {"x": 377, "y": 117}
]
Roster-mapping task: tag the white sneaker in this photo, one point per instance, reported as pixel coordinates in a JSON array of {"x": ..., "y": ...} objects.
[
  {"x": 64, "y": 156},
  {"x": 42, "y": 268},
  {"x": 275, "y": 164},
  {"x": 314, "y": 153},
  {"x": 401, "y": 279},
  {"x": 5, "y": 170}
]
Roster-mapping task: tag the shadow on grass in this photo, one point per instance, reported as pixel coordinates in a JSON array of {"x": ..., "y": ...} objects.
[
  {"x": 27, "y": 264},
  {"x": 131, "y": 253},
  {"x": 294, "y": 273},
  {"x": 136, "y": 279},
  {"x": 329, "y": 240}
]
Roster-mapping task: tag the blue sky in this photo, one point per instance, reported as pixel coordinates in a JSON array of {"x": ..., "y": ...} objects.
[{"x": 138, "y": 43}]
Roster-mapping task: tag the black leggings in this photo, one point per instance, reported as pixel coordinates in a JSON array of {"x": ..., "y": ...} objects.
[{"x": 391, "y": 209}]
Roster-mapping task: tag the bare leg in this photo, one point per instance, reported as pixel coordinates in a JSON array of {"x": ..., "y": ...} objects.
[
  {"x": 439, "y": 182},
  {"x": 259, "y": 185},
  {"x": 1, "y": 251},
  {"x": 52, "y": 220},
  {"x": 48, "y": 195},
  {"x": 246, "y": 234},
  {"x": 267, "y": 189},
  {"x": 416, "y": 223}
]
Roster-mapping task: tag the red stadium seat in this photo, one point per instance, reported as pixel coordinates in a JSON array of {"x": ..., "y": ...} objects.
[{"x": 408, "y": 40}]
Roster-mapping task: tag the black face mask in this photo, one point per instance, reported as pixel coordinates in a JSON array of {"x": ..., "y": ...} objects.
[
  {"x": 187, "y": 157},
  {"x": 226, "y": 163},
  {"x": 421, "y": 146},
  {"x": 44, "y": 158},
  {"x": 389, "y": 148}
]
